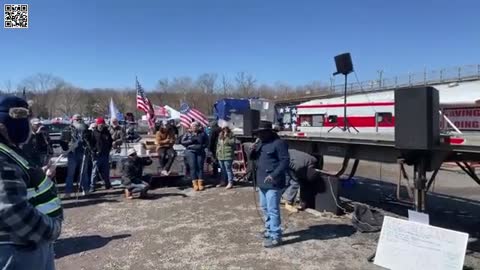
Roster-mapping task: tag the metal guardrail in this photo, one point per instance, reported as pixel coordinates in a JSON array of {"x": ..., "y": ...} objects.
[{"x": 427, "y": 77}]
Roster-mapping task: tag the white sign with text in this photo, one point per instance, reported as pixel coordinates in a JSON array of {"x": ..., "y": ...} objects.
[{"x": 412, "y": 245}]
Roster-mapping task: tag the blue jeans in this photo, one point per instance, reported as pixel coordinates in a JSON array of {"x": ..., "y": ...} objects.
[
  {"x": 74, "y": 163},
  {"x": 101, "y": 165},
  {"x": 227, "y": 171},
  {"x": 292, "y": 189},
  {"x": 19, "y": 258},
  {"x": 195, "y": 162},
  {"x": 139, "y": 188},
  {"x": 270, "y": 204}
]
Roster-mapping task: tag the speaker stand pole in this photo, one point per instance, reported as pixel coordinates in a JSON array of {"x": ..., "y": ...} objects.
[
  {"x": 345, "y": 120},
  {"x": 346, "y": 123},
  {"x": 420, "y": 180}
]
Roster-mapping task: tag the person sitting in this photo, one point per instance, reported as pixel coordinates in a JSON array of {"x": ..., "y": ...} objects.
[
  {"x": 165, "y": 139},
  {"x": 118, "y": 135},
  {"x": 133, "y": 179}
]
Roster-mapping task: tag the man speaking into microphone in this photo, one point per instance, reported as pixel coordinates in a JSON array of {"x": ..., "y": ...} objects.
[{"x": 271, "y": 161}]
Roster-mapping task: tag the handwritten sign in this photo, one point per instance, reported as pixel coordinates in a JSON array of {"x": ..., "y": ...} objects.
[{"x": 411, "y": 245}]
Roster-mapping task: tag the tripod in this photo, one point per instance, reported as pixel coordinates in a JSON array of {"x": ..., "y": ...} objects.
[{"x": 346, "y": 124}]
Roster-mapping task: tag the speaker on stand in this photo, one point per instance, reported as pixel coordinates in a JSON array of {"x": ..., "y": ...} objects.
[{"x": 344, "y": 66}]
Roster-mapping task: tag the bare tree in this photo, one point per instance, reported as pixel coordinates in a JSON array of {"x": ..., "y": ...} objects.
[
  {"x": 226, "y": 86},
  {"x": 245, "y": 84},
  {"x": 38, "y": 85},
  {"x": 163, "y": 85},
  {"x": 68, "y": 100},
  {"x": 207, "y": 82},
  {"x": 40, "y": 82},
  {"x": 7, "y": 87},
  {"x": 54, "y": 97}
]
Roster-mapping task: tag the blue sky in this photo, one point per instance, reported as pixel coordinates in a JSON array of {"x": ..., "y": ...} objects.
[{"x": 105, "y": 43}]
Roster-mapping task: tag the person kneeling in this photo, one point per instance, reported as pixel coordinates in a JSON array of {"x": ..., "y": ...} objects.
[{"x": 133, "y": 179}]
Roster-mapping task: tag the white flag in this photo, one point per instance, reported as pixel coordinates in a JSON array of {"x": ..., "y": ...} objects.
[{"x": 114, "y": 113}]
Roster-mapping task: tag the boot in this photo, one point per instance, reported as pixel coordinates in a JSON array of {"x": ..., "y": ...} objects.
[
  {"x": 291, "y": 208},
  {"x": 128, "y": 194},
  {"x": 195, "y": 185},
  {"x": 200, "y": 185}
]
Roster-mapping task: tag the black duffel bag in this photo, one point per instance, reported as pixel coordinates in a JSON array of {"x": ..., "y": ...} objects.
[{"x": 365, "y": 219}]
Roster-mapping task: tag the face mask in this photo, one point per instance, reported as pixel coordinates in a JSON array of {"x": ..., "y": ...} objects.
[{"x": 19, "y": 130}]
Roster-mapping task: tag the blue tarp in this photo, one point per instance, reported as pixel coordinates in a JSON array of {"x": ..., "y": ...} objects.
[{"x": 224, "y": 107}]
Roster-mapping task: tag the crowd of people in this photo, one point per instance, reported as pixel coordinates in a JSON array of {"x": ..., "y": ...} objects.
[
  {"x": 88, "y": 150},
  {"x": 31, "y": 214}
]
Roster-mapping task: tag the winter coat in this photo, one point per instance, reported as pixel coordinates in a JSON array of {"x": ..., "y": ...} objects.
[
  {"x": 75, "y": 139},
  {"x": 117, "y": 135},
  {"x": 165, "y": 138},
  {"x": 37, "y": 145},
  {"x": 102, "y": 141},
  {"x": 195, "y": 142},
  {"x": 213, "y": 139},
  {"x": 133, "y": 170},
  {"x": 300, "y": 162},
  {"x": 271, "y": 159},
  {"x": 225, "y": 149}
]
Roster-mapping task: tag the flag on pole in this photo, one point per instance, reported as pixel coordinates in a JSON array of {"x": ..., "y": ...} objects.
[
  {"x": 160, "y": 111},
  {"x": 145, "y": 105},
  {"x": 189, "y": 115},
  {"x": 114, "y": 112}
]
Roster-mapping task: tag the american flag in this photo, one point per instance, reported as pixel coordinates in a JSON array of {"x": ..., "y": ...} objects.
[
  {"x": 189, "y": 115},
  {"x": 160, "y": 111},
  {"x": 145, "y": 105}
]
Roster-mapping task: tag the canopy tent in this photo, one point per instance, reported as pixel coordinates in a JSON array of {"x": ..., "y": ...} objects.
[
  {"x": 164, "y": 113},
  {"x": 174, "y": 114}
]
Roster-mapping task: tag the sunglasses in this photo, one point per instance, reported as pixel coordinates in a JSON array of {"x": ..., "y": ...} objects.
[{"x": 18, "y": 113}]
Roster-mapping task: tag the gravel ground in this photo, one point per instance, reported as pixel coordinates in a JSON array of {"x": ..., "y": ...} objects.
[{"x": 217, "y": 228}]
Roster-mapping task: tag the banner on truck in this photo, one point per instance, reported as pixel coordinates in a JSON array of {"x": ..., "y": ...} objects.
[{"x": 467, "y": 118}]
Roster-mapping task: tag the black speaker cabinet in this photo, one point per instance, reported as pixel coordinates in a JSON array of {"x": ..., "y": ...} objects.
[
  {"x": 417, "y": 125},
  {"x": 251, "y": 120},
  {"x": 344, "y": 63},
  {"x": 327, "y": 201}
]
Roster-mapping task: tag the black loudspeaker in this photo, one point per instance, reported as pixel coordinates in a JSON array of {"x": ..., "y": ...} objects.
[
  {"x": 327, "y": 201},
  {"x": 343, "y": 63},
  {"x": 417, "y": 125},
  {"x": 251, "y": 120}
]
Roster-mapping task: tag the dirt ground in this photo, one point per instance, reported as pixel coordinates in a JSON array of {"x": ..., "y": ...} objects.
[{"x": 217, "y": 228}]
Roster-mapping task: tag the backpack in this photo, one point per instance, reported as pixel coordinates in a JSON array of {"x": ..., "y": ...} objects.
[{"x": 365, "y": 219}]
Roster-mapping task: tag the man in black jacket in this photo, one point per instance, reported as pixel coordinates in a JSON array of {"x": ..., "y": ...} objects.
[
  {"x": 38, "y": 148},
  {"x": 133, "y": 179},
  {"x": 271, "y": 158},
  {"x": 212, "y": 147},
  {"x": 303, "y": 174},
  {"x": 101, "y": 146}
]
